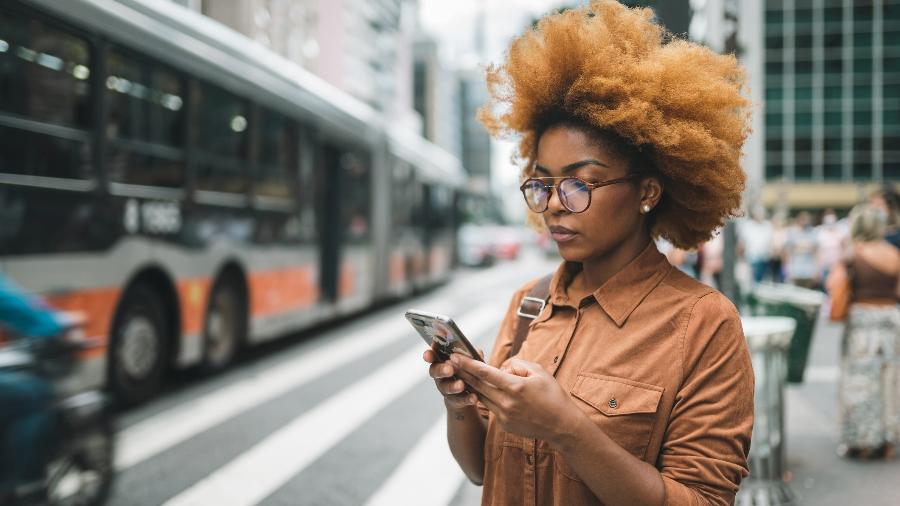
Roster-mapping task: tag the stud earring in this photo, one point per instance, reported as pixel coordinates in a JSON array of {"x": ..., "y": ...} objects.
[{"x": 645, "y": 208}]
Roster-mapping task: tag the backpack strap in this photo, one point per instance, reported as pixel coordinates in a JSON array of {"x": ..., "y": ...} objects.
[{"x": 530, "y": 307}]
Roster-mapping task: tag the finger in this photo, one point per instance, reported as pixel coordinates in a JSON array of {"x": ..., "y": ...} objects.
[
  {"x": 481, "y": 387},
  {"x": 429, "y": 356},
  {"x": 439, "y": 370},
  {"x": 481, "y": 370},
  {"x": 450, "y": 386}
]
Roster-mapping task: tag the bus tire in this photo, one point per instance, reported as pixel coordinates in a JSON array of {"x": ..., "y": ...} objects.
[
  {"x": 224, "y": 328},
  {"x": 139, "y": 347}
]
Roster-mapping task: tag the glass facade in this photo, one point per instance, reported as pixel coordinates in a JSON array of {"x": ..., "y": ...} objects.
[{"x": 832, "y": 90}]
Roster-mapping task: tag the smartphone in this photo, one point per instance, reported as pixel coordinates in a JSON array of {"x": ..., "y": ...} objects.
[{"x": 441, "y": 334}]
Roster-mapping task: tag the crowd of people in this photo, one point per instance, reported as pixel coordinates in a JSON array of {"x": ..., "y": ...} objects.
[{"x": 864, "y": 247}]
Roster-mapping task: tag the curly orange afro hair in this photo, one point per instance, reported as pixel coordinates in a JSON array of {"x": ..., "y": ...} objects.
[{"x": 610, "y": 68}]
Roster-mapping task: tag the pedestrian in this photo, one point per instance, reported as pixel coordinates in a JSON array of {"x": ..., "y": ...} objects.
[
  {"x": 778, "y": 247},
  {"x": 830, "y": 239},
  {"x": 800, "y": 252},
  {"x": 755, "y": 236},
  {"x": 887, "y": 200},
  {"x": 868, "y": 389},
  {"x": 634, "y": 383}
]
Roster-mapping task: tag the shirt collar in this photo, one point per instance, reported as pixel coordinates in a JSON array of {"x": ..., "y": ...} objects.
[{"x": 622, "y": 293}]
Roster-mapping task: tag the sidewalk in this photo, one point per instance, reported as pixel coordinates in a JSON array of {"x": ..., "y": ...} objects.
[{"x": 817, "y": 475}]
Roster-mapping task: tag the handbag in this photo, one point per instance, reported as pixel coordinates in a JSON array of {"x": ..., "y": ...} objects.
[{"x": 840, "y": 287}]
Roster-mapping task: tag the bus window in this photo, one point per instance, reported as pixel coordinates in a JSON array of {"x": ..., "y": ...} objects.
[
  {"x": 220, "y": 129},
  {"x": 44, "y": 77},
  {"x": 145, "y": 122},
  {"x": 402, "y": 195},
  {"x": 356, "y": 186},
  {"x": 277, "y": 158}
]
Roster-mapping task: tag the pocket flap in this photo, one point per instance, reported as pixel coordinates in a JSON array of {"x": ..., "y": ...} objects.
[{"x": 616, "y": 396}]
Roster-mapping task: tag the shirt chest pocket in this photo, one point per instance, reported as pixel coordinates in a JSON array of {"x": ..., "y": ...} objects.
[{"x": 626, "y": 410}]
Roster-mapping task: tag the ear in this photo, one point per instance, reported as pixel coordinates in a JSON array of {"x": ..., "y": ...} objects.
[{"x": 651, "y": 191}]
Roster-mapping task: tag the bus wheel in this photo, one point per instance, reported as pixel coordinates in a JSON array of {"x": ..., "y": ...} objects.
[
  {"x": 138, "y": 354},
  {"x": 224, "y": 327}
]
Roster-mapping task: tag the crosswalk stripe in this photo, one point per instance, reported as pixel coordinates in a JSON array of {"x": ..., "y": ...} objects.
[
  {"x": 269, "y": 464},
  {"x": 165, "y": 430},
  {"x": 428, "y": 476}
]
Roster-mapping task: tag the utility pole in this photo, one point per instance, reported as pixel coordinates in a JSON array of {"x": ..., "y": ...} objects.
[{"x": 729, "y": 254}]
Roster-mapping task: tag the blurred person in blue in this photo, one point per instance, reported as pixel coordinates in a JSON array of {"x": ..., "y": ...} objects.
[
  {"x": 869, "y": 384},
  {"x": 755, "y": 236},
  {"x": 25, "y": 420},
  {"x": 887, "y": 200},
  {"x": 800, "y": 252}
]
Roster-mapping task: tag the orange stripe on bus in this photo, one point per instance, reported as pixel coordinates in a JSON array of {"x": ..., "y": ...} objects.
[
  {"x": 96, "y": 304},
  {"x": 282, "y": 290},
  {"x": 346, "y": 283},
  {"x": 397, "y": 269}
]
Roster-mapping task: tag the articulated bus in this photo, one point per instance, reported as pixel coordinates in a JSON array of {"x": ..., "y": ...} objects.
[{"x": 191, "y": 192}]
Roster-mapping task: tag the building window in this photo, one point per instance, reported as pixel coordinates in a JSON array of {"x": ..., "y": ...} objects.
[
  {"x": 862, "y": 171},
  {"x": 832, "y": 171},
  {"x": 862, "y": 118},
  {"x": 775, "y": 42},
  {"x": 803, "y": 93},
  {"x": 774, "y": 93},
  {"x": 862, "y": 12},
  {"x": 803, "y": 171},
  {"x": 862, "y": 39},
  {"x": 774, "y": 171},
  {"x": 891, "y": 118},
  {"x": 834, "y": 14}
]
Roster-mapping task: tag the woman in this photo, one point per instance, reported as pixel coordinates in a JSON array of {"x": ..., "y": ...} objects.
[
  {"x": 869, "y": 388},
  {"x": 634, "y": 385}
]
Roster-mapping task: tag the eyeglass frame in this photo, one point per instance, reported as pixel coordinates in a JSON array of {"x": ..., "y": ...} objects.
[{"x": 592, "y": 186}]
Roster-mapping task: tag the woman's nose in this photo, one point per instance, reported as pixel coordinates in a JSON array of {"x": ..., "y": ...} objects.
[{"x": 554, "y": 204}]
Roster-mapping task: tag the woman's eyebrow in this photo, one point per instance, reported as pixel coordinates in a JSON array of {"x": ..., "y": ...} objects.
[{"x": 572, "y": 166}]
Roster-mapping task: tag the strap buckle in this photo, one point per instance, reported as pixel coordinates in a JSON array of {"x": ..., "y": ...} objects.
[{"x": 525, "y": 301}]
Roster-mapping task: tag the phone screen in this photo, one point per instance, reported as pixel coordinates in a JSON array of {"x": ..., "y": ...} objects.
[{"x": 441, "y": 334}]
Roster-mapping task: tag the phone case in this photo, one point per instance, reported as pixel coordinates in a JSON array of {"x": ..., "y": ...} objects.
[{"x": 441, "y": 333}]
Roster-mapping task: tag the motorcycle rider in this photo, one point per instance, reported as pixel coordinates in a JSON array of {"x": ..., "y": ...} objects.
[{"x": 25, "y": 421}]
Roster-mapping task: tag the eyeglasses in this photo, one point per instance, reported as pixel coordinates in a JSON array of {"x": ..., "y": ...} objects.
[{"x": 574, "y": 193}]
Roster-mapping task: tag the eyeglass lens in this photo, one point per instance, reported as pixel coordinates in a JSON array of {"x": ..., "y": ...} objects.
[{"x": 573, "y": 193}]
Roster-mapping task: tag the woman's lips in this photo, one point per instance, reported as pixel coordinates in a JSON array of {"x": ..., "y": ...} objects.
[{"x": 562, "y": 234}]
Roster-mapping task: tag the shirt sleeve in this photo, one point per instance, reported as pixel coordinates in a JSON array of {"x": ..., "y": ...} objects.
[
  {"x": 704, "y": 453},
  {"x": 503, "y": 342}
]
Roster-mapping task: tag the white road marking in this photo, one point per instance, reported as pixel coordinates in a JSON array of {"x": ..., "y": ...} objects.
[
  {"x": 428, "y": 476},
  {"x": 165, "y": 430},
  {"x": 265, "y": 467}
]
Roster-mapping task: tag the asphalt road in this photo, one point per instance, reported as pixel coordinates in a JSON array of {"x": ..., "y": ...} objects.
[{"x": 344, "y": 415}]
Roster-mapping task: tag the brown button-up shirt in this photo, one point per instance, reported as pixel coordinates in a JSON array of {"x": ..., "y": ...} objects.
[{"x": 658, "y": 361}]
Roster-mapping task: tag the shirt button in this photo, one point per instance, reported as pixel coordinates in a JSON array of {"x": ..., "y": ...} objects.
[
  {"x": 530, "y": 460},
  {"x": 613, "y": 403}
]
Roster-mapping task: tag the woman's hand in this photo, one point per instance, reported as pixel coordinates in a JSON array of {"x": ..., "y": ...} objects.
[
  {"x": 452, "y": 388},
  {"x": 525, "y": 398}
]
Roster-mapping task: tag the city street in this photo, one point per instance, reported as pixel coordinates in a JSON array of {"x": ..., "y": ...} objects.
[{"x": 346, "y": 415}]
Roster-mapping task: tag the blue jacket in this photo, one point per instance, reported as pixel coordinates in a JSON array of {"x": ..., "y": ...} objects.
[{"x": 25, "y": 315}]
